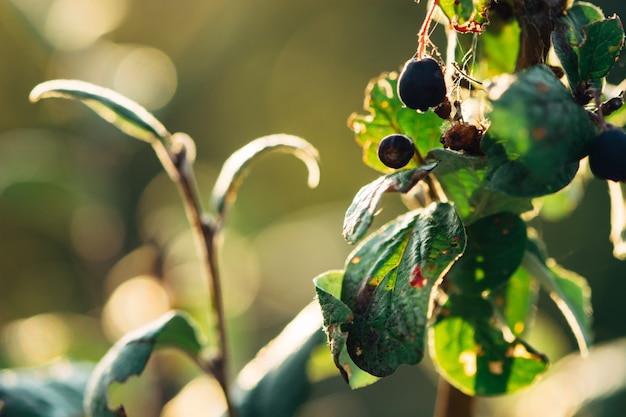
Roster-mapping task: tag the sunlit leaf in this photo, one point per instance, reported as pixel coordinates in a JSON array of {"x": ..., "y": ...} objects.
[
  {"x": 618, "y": 219},
  {"x": 463, "y": 179},
  {"x": 570, "y": 292},
  {"x": 600, "y": 48},
  {"x": 387, "y": 115},
  {"x": 275, "y": 383},
  {"x": 335, "y": 312},
  {"x": 466, "y": 15},
  {"x": 113, "y": 107},
  {"x": 495, "y": 246},
  {"x": 361, "y": 212},
  {"x": 130, "y": 355},
  {"x": 237, "y": 166},
  {"x": 537, "y": 134},
  {"x": 387, "y": 286},
  {"x": 499, "y": 47},
  {"x": 474, "y": 355},
  {"x": 55, "y": 390}
]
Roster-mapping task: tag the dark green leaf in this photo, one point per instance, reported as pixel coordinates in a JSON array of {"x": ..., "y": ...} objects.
[
  {"x": 387, "y": 116},
  {"x": 463, "y": 179},
  {"x": 361, "y": 212},
  {"x": 466, "y": 15},
  {"x": 473, "y": 354},
  {"x": 537, "y": 134},
  {"x": 237, "y": 166},
  {"x": 569, "y": 291},
  {"x": 116, "y": 109},
  {"x": 52, "y": 391},
  {"x": 335, "y": 312},
  {"x": 495, "y": 247},
  {"x": 388, "y": 282},
  {"x": 568, "y": 35},
  {"x": 600, "y": 48},
  {"x": 130, "y": 354},
  {"x": 275, "y": 383}
]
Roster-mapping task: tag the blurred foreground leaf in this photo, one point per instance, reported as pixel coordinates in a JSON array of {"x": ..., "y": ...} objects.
[
  {"x": 125, "y": 114},
  {"x": 130, "y": 355},
  {"x": 474, "y": 355},
  {"x": 55, "y": 390},
  {"x": 618, "y": 219},
  {"x": 537, "y": 134}
]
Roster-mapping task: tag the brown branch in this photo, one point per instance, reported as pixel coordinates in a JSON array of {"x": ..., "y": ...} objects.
[
  {"x": 451, "y": 402},
  {"x": 537, "y": 19}
]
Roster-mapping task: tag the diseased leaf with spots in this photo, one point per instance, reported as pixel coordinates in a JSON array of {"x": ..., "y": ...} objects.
[
  {"x": 537, "y": 134},
  {"x": 335, "y": 312},
  {"x": 387, "y": 286},
  {"x": 463, "y": 179},
  {"x": 495, "y": 247},
  {"x": 387, "y": 115},
  {"x": 130, "y": 355},
  {"x": 466, "y": 15},
  {"x": 600, "y": 48},
  {"x": 568, "y": 35},
  {"x": 472, "y": 353},
  {"x": 361, "y": 212}
]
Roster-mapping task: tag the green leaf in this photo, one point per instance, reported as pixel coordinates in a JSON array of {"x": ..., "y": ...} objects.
[
  {"x": 495, "y": 247},
  {"x": 600, "y": 48},
  {"x": 237, "y": 166},
  {"x": 618, "y": 219},
  {"x": 55, "y": 390},
  {"x": 499, "y": 47},
  {"x": 335, "y": 313},
  {"x": 569, "y": 291},
  {"x": 516, "y": 301},
  {"x": 537, "y": 134},
  {"x": 275, "y": 383},
  {"x": 387, "y": 286},
  {"x": 387, "y": 115},
  {"x": 116, "y": 109},
  {"x": 463, "y": 179},
  {"x": 466, "y": 15},
  {"x": 557, "y": 206},
  {"x": 568, "y": 34},
  {"x": 472, "y": 353},
  {"x": 130, "y": 354},
  {"x": 361, "y": 212}
]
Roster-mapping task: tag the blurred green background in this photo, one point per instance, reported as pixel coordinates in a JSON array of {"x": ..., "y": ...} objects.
[{"x": 93, "y": 240}]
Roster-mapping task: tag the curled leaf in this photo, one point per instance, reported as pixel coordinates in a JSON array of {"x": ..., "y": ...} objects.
[
  {"x": 361, "y": 212},
  {"x": 120, "y": 111},
  {"x": 237, "y": 165},
  {"x": 130, "y": 355}
]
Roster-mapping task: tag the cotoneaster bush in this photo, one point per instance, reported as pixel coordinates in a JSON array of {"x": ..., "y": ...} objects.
[{"x": 474, "y": 139}]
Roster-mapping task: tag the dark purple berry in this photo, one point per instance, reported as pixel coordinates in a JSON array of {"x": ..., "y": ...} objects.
[
  {"x": 395, "y": 151},
  {"x": 421, "y": 84},
  {"x": 607, "y": 155}
]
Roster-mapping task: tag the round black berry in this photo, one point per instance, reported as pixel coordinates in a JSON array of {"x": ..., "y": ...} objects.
[
  {"x": 421, "y": 84},
  {"x": 395, "y": 151},
  {"x": 607, "y": 155}
]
